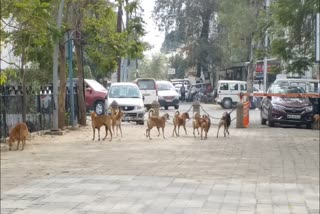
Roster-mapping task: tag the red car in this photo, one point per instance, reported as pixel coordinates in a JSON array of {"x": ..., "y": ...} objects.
[{"x": 95, "y": 96}]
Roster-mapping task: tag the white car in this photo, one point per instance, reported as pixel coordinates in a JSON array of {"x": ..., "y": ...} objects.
[
  {"x": 129, "y": 99},
  {"x": 167, "y": 95}
]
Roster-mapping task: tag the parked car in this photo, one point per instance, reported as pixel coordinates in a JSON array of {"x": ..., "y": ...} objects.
[
  {"x": 129, "y": 99},
  {"x": 95, "y": 95},
  {"x": 148, "y": 88},
  {"x": 228, "y": 92},
  {"x": 167, "y": 95},
  {"x": 286, "y": 110}
]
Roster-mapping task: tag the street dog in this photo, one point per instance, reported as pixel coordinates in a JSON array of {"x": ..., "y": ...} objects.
[
  {"x": 225, "y": 121},
  {"x": 180, "y": 120},
  {"x": 155, "y": 121},
  {"x": 116, "y": 115},
  {"x": 20, "y": 133},
  {"x": 101, "y": 120},
  {"x": 205, "y": 126},
  {"x": 316, "y": 121},
  {"x": 196, "y": 122}
]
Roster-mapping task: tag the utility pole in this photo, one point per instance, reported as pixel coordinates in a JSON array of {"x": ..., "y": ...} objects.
[
  {"x": 119, "y": 30},
  {"x": 265, "y": 61},
  {"x": 55, "y": 71}
]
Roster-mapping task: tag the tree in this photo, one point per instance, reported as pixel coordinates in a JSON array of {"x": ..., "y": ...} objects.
[
  {"x": 156, "y": 67},
  {"x": 191, "y": 20},
  {"x": 25, "y": 27},
  {"x": 292, "y": 33}
]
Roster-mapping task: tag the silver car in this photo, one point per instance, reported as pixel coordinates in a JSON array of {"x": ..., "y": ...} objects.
[{"x": 130, "y": 100}]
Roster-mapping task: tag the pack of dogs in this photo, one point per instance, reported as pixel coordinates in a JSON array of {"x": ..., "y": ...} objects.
[{"x": 112, "y": 123}]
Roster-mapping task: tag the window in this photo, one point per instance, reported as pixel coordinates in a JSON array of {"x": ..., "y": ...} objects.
[
  {"x": 146, "y": 84},
  {"x": 234, "y": 86},
  {"x": 224, "y": 86},
  {"x": 243, "y": 87}
]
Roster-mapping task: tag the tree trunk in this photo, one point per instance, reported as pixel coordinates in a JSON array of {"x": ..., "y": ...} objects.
[
  {"x": 81, "y": 99},
  {"x": 204, "y": 45},
  {"x": 24, "y": 92},
  {"x": 63, "y": 84}
]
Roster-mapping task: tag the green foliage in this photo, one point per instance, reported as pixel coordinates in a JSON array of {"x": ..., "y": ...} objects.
[
  {"x": 180, "y": 65},
  {"x": 156, "y": 67},
  {"x": 292, "y": 31}
]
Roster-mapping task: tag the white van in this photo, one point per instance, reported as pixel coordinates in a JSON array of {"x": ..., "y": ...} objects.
[
  {"x": 228, "y": 92},
  {"x": 149, "y": 91}
]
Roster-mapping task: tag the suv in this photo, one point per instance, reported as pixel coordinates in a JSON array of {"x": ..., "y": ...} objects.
[
  {"x": 148, "y": 88},
  {"x": 228, "y": 92},
  {"x": 130, "y": 100},
  {"x": 298, "y": 111}
]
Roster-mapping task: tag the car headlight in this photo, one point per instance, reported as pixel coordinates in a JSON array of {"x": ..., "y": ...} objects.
[
  {"x": 176, "y": 97},
  {"x": 309, "y": 108},
  {"x": 278, "y": 107},
  {"x": 139, "y": 107}
]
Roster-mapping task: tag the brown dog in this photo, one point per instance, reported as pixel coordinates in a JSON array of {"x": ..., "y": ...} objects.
[
  {"x": 101, "y": 120},
  {"x": 116, "y": 115},
  {"x": 205, "y": 126},
  {"x": 180, "y": 120},
  {"x": 316, "y": 121},
  {"x": 20, "y": 133},
  {"x": 225, "y": 121},
  {"x": 196, "y": 122},
  {"x": 154, "y": 121}
]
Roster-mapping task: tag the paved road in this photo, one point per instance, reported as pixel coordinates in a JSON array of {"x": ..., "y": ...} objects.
[{"x": 254, "y": 170}]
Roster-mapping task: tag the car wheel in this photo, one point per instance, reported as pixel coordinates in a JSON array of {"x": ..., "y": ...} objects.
[
  {"x": 263, "y": 121},
  {"x": 227, "y": 103},
  {"x": 270, "y": 121},
  {"x": 166, "y": 107},
  {"x": 176, "y": 107},
  {"x": 99, "y": 107},
  {"x": 140, "y": 122}
]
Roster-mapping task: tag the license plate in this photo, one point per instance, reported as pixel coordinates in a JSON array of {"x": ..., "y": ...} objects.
[{"x": 293, "y": 116}]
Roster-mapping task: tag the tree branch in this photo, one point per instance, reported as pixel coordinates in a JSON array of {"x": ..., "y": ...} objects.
[{"x": 10, "y": 63}]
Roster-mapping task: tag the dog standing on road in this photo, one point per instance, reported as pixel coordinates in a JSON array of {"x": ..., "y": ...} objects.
[
  {"x": 225, "y": 121},
  {"x": 180, "y": 120},
  {"x": 316, "y": 121},
  {"x": 20, "y": 133},
  {"x": 196, "y": 122},
  {"x": 116, "y": 115},
  {"x": 101, "y": 120},
  {"x": 155, "y": 121},
  {"x": 205, "y": 126}
]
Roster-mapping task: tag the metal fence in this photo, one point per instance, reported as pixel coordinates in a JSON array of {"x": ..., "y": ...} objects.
[{"x": 39, "y": 108}]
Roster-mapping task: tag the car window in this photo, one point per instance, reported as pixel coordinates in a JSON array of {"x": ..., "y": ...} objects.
[
  {"x": 233, "y": 86},
  {"x": 95, "y": 85},
  {"x": 223, "y": 86},
  {"x": 243, "y": 87},
  {"x": 124, "y": 91},
  {"x": 164, "y": 86},
  {"x": 146, "y": 84}
]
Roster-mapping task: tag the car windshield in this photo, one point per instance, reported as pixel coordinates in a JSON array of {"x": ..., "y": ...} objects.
[
  {"x": 124, "y": 91},
  {"x": 164, "y": 86},
  {"x": 284, "y": 89}
]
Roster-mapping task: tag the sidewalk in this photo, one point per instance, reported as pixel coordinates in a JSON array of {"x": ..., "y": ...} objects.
[{"x": 255, "y": 170}]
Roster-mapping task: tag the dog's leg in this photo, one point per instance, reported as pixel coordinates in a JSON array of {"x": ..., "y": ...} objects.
[
  {"x": 201, "y": 133},
  {"x": 184, "y": 126},
  {"x": 178, "y": 130},
  {"x": 163, "y": 133},
  {"x": 10, "y": 145},
  {"x": 174, "y": 129},
  {"x": 94, "y": 133},
  {"x": 219, "y": 126},
  {"x": 158, "y": 131},
  {"x": 98, "y": 133},
  {"x": 17, "y": 148},
  {"x": 120, "y": 130},
  {"x": 23, "y": 142},
  {"x": 106, "y": 128},
  {"x": 110, "y": 133}
]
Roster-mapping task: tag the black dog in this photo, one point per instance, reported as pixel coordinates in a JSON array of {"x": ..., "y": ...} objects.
[{"x": 225, "y": 121}]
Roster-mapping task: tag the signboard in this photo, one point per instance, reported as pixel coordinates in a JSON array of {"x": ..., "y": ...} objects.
[{"x": 171, "y": 71}]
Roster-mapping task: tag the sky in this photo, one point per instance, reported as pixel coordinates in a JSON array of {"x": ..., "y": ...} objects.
[{"x": 153, "y": 36}]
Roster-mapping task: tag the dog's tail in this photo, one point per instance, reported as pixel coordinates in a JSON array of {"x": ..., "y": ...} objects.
[
  {"x": 177, "y": 113},
  {"x": 151, "y": 111},
  {"x": 195, "y": 115}
]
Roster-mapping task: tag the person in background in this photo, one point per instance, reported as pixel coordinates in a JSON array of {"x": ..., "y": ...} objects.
[{"x": 183, "y": 93}]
